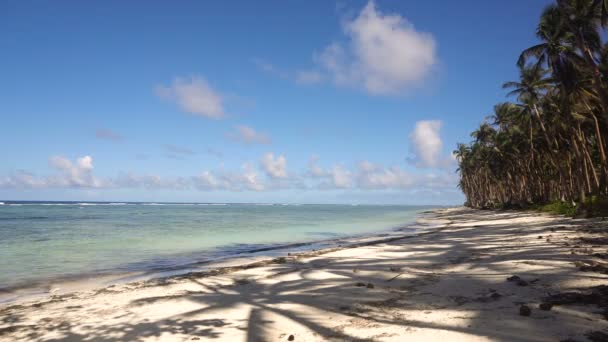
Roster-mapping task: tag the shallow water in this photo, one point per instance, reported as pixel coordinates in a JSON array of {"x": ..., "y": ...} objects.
[{"x": 41, "y": 241}]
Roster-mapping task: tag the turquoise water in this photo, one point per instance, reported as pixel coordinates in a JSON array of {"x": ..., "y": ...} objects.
[{"x": 41, "y": 241}]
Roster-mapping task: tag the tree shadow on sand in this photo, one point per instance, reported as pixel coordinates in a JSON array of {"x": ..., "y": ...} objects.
[{"x": 381, "y": 294}]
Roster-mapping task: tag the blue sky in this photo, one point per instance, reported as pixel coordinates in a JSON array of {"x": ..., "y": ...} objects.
[{"x": 242, "y": 101}]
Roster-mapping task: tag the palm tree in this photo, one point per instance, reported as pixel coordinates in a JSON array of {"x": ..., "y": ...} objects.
[
  {"x": 562, "y": 95},
  {"x": 532, "y": 86},
  {"x": 583, "y": 18},
  {"x": 555, "y": 49}
]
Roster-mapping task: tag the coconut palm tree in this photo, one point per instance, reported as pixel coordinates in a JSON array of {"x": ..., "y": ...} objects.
[
  {"x": 583, "y": 19},
  {"x": 551, "y": 145},
  {"x": 532, "y": 86},
  {"x": 556, "y": 49}
]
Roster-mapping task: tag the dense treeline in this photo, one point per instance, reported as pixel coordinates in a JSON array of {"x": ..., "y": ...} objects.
[{"x": 550, "y": 144}]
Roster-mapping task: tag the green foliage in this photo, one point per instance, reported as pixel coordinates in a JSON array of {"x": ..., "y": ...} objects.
[
  {"x": 559, "y": 208},
  {"x": 549, "y": 147}
]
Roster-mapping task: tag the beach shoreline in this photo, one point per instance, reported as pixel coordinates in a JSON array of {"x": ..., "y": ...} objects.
[
  {"x": 58, "y": 246},
  {"x": 45, "y": 289},
  {"x": 449, "y": 282}
]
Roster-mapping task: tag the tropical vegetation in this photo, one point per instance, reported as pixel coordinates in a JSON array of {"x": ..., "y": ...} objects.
[{"x": 548, "y": 146}]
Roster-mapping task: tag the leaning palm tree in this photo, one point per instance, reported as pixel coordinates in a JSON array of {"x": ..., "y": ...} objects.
[
  {"x": 551, "y": 145},
  {"x": 556, "y": 49},
  {"x": 533, "y": 84},
  {"x": 583, "y": 19}
]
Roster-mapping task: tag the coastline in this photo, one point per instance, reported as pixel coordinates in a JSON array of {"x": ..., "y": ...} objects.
[
  {"x": 445, "y": 282},
  {"x": 45, "y": 289}
]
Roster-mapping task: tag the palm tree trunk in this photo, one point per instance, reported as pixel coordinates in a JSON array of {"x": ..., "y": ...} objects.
[
  {"x": 542, "y": 126},
  {"x": 595, "y": 71}
]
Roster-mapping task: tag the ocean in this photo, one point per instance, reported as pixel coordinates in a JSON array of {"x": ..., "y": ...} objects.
[{"x": 43, "y": 241}]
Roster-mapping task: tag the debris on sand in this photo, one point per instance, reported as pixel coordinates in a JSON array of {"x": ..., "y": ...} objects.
[
  {"x": 597, "y": 295},
  {"x": 592, "y": 266},
  {"x": 280, "y": 260},
  {"x": 493, "y": 296},
  {"x": 517, "y": 280}
]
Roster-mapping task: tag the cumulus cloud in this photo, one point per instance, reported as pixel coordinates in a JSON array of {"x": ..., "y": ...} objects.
[
  {"x": 22, "y": 179},
  {"x": 384, "y": 54},
  {"x": 314, "y": 170},
  {"x": 373, "y": 176},
  {"x": 426, "y": 142},
  {"x": 275, "y": 168},
  {"x": 246, "y": 179},
  {"x": 370, "y": 176},
  {"x": 78, "y": 174},
  {"x": 341, "y": 177},
  {"x": 194, "y": 95},
  {"x": 271, "y": 175},
  {"x": 336, "y": 177},
  {"x": 69, "y": 174},
  {"x": 426, "y": 145},
  {"x": 248, "y": 135},
  {"x": 108, "y": 134}
]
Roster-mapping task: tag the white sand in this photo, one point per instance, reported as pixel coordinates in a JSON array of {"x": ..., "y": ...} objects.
[{"x": 432, "y": 287}]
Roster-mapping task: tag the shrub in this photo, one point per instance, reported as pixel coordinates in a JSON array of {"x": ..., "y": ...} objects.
[{"x": 559, "y": 208}]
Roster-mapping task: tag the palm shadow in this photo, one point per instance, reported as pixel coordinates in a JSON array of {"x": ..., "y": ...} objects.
[{"x": 309, "y": 294}]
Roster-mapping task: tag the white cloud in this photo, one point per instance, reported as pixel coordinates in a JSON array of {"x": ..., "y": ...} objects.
[
  {"x": 22, "y": 179},
  {"x": 272, "y": 175},
  {"x": 69, "y": 174},
  {"x": 314, "y": 170},
  {"x": 248, "y": 135},
  {"x": 385, "y": 54},
  {"x": 332, "y": 178},
  {"x": 78, "y": 174},
  {"x": 247, "y": 179},
  {"x": 194, "y": 95},
  {"x": 341, "y": 177},
  {"x": 370, "y": 176},
  {"x": 274, "y": 167},
  {"x": 426, "y": 144},
  {"x": 365, "y": 176},
  {"x": 250, "y": 177},
  {"x": 373, "y": 176}
]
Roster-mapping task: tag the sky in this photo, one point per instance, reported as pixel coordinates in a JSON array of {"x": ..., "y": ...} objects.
[{"x": 319, "y": 101}]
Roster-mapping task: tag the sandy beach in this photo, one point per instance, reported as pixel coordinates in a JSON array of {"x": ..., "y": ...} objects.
[{"x": 473, "y": 278}]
